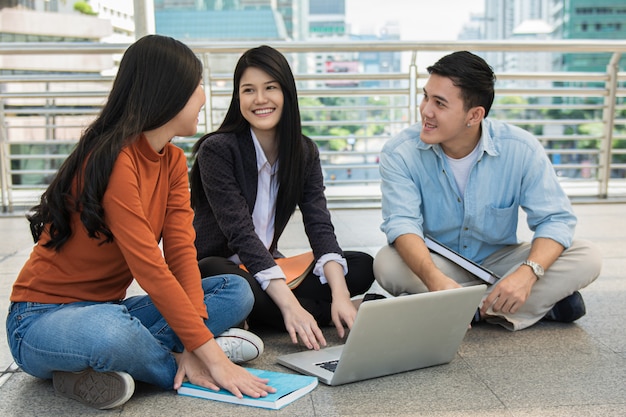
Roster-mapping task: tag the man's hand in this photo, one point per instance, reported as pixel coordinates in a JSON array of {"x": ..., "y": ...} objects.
[
  {"x": 510, "y": 293},
  {"x": 416, "y": 255},
  {"x": 444, "y": 283}
]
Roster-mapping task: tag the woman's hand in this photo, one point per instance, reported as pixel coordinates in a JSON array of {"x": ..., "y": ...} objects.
[
  {"x": 209, "y": 367},
  {"x": 343, "y": 312},
  {"x": 298, "y": 322}
]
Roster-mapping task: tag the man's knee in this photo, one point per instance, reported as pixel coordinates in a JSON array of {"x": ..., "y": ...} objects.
[
  {"x": 385, "y": 260},
  {"x": 587, "y": 257},
  {"x": 393, "y": 274}
]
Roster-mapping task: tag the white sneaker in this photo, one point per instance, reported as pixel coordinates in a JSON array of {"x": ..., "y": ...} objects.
[
  {"x": 240, "y": 345},
  {"x": 101, "y": 390}
]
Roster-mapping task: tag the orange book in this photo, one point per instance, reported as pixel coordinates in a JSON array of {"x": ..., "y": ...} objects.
[{"x": 296, "y": 268}]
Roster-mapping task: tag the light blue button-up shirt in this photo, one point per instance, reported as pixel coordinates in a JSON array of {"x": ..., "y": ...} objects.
[{"x": 420, "y": 196}]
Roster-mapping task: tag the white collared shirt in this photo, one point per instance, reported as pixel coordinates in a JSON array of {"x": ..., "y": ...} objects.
[
  {"x": 264, "y": 219},
  {"x": 264, "y": 213}
]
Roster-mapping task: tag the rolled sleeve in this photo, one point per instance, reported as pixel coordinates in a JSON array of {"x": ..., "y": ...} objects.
[
  {"x": 264, "y": 277},
  {"x": 319, "y": 265},
  {"x": 548, "y": 209}
]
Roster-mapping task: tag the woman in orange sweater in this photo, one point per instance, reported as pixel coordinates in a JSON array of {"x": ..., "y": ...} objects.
[{"x": 98, "y": 226}]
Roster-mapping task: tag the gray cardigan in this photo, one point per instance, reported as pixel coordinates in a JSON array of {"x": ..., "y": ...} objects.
[{"x": 223, "y": 222}]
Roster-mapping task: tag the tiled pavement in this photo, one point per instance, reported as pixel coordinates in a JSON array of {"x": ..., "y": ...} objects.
[{"x": 548, "y": 370}]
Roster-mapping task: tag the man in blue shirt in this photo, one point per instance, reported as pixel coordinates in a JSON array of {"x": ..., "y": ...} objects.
[{"x": 462, "y": 178}]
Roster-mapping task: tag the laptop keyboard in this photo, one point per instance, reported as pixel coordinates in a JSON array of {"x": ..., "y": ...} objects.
[{"x": 329, "y": 365}]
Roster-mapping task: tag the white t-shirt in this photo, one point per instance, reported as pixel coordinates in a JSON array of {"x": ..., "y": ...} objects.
[{"x": 461, "y": 168}]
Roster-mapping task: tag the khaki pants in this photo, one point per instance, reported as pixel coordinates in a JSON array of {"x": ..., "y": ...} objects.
[{"x": 577, "y": 267}]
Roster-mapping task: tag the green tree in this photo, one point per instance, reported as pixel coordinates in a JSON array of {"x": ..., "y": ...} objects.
[
  {"x": 590, "y": 129},
  {"x": 515, "y": 107},
  {"x": 84, "y": 8}
]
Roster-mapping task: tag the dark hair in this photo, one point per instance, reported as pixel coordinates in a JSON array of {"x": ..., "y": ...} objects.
[
  {"x": 143, "y": 97},
  {"x": 471, "y": 74},
  {"x": 289, "y": 130}
]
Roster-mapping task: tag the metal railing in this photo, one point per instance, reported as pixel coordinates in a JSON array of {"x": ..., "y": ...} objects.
[{"x": 580, "y": 118}]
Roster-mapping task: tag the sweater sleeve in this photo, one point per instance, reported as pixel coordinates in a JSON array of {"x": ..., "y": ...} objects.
[
  {"x": 178, "y": 233},
  {"x": 139, "y": 200}
]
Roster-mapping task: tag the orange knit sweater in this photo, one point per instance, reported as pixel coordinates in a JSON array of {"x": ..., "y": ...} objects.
[{"x": 147, "y": 200}]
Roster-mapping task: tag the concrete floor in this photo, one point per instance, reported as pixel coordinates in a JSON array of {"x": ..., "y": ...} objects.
[{"x": 549, "y": 369}]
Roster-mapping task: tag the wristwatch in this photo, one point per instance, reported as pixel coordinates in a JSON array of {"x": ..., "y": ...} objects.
[{"x": 537, "y": 269}]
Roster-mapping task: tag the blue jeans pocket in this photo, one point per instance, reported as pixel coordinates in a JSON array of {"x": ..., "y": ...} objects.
[{"x": 21, "y": 316}]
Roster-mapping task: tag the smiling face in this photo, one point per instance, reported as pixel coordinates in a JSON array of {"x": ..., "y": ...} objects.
[
  {"x": 260, "y": 102},
  {"x": 445, "y": 120}
]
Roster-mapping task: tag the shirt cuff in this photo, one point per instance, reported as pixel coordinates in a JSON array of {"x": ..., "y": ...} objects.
[
  {"x": 319, "y": 265},
  {"x": 264, "y": 277}
]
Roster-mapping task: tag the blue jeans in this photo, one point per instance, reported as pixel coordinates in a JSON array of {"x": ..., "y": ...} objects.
[{"x": 130, "y": 335}]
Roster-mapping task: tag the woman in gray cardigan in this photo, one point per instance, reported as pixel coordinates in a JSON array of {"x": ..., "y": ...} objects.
[{"x": 246, "y": 181}]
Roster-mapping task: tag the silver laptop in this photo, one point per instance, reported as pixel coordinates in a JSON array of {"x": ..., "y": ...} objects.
[{"x": 394, "y": 335}]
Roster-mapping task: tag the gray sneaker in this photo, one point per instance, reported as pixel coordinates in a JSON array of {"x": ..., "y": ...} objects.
[
  {"x": 101, "y": 390},
  {"x": 240, "y": 345}
]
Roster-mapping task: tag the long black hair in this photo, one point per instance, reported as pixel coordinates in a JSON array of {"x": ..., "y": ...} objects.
[
  {"x": 156, "y": 78},
  {"x": 289, "y": 130}
]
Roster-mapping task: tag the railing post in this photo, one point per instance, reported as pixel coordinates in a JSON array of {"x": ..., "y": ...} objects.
[
  {"x": 608, "y": 119},
  {"x": 5, "y": 165},
  {"x": 208, "y": 105},
  {"x": 413, "y": 89},
  {"x": 144, "y": 18}
]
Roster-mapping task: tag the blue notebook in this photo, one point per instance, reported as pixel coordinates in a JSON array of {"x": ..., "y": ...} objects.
[{"x": 289, "y": 387}]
